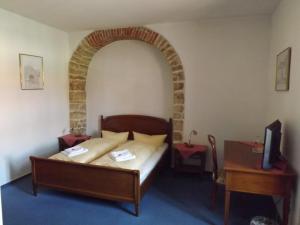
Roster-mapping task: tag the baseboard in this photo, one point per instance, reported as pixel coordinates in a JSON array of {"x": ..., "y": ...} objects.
[
  {"x": 16, "y": 179},
  {"x": 1, "y": 220}
]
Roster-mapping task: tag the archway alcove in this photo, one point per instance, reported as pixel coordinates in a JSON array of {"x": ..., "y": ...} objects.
[
  {"x": 128, "y": 77},
  {"x": 82, "y": 56}
]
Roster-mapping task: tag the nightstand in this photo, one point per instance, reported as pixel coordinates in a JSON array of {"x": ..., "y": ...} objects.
[
  {"x": 189, "y": 159},
  {"x": 70, "y": 140}
]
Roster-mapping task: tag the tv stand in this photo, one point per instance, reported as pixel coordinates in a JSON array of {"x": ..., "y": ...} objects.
[{"x": 244, "y": 175}]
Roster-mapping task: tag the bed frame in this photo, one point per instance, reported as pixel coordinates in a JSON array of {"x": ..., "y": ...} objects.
[{"x": 108, "y": 183}]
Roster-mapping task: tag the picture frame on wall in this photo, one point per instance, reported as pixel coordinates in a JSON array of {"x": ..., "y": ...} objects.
[
  {"x": 283, "y": 64},
  {"x": 31, "y": 72}
]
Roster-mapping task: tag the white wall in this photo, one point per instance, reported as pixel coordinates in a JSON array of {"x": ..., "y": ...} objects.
[
  {"x": 31, "y": 120},
  {"x": 224, "y": 62},
  {"x": 128, "y": 77},
  {"x": 225, "y": 66},
  {"x": 284, "y": 105}
]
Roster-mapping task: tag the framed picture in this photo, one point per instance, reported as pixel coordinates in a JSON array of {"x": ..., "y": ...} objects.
[
  {"x": 283, "y": 70},
  {"x": 31, "y": 72}
]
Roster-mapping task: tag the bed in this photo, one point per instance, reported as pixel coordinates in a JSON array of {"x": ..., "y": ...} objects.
[{"x": 109, "y": 183}]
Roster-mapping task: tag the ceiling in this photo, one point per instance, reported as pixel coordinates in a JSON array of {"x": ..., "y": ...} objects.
[{"x": 74, "y": 15}]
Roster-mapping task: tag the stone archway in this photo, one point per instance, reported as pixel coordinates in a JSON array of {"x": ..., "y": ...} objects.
[{"x": 82, "y": 56}]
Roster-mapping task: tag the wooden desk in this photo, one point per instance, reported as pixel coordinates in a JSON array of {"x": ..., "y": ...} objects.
[{"x": 244, "y": 174}]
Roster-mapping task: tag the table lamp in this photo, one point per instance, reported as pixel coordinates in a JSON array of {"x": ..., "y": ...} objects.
[{"x": 189, "y": 144}]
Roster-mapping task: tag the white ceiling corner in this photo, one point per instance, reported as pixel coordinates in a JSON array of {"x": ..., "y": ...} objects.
[{"x": 74, "y": 15}]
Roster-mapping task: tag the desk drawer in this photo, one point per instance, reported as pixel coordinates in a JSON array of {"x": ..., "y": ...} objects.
[{"x": 257, "y": 183}]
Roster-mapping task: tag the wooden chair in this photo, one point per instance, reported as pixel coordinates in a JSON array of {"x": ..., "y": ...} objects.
[{"x": 218, "y": 175}]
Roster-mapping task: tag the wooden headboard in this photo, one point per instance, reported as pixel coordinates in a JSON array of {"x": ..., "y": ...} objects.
[{"x": 139, "y": 123}]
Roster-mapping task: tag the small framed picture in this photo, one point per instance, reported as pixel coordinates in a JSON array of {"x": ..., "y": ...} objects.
[
  {"x": 31, "y": 72},
  {"x": 283, "y": 70}
]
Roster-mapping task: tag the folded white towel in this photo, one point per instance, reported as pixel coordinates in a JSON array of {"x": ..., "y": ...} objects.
[
  {"x": 122, "y": 155},
  {"x": 121, "y": 159},
  {"x": 74, "y": 151}
]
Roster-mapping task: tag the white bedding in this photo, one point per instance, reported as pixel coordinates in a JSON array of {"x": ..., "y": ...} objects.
[
  {"x": 96, "y": 148},
  {"x": 147, "y": 156},
  {"x": 149, "y": 165},
  {"x": 141, "y": 151},
  {"x": 99, "y": 146}
]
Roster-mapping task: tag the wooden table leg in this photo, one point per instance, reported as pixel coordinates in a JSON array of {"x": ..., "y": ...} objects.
[
  {"x": 172, "y": 158},
  {"x": 227, "y": 206},
  {"x": 286, "y": 209},
  {"x": 203, "y": 162}
]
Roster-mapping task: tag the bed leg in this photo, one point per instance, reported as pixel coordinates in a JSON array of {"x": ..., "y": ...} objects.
[
  {"x": 34, "y": 184},
  {"x": 137, "y": 209},
  {"x": 34, "y": 189}
]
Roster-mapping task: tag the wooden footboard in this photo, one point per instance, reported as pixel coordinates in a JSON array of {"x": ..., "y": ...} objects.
[{"x": 96, "y": 181}]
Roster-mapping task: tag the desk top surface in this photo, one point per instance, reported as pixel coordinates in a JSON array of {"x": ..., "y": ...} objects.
[{"x": 240, "y": 157}]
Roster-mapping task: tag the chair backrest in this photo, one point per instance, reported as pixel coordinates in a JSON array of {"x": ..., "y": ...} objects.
[{"x": 212, "y": 141}]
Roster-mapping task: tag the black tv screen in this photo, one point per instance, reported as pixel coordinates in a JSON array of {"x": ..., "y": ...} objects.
[{"x": 271, "y": 153}]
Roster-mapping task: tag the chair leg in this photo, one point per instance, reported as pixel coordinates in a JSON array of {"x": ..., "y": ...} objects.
[{"x": 214, "y": 195}]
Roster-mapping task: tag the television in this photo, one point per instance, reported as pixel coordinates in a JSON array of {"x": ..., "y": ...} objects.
[{"x": 271, "y": 152}]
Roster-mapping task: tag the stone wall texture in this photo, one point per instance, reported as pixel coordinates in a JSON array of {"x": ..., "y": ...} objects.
[{"x": 82, "y": 56}]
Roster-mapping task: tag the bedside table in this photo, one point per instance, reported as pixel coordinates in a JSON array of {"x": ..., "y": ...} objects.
[
  {"x": 70, "y": 140},
  {"x": 181, "y": 154}
]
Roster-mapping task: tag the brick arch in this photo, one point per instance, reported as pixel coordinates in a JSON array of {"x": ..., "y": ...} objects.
[{"x": 82, "y": 56}]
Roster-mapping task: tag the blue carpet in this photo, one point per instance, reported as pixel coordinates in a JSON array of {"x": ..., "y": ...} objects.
[{"x": 172, "y": 200}]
